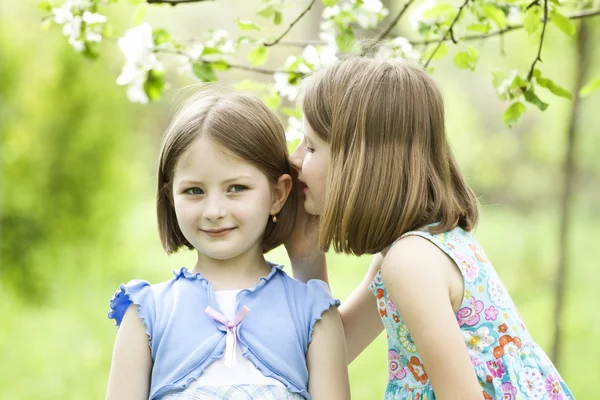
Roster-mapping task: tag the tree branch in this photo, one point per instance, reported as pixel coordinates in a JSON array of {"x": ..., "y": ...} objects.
[
  {"x": 174, "y": 2},
  {"x": 447, "y": 32},
  {"x": 584, "y": 14},
  {"x": 395, "y": 21},
  {"x": 264, "y": 70},
  {"x": 538, "y": 57},
  {"x": 273, "y": 43}
]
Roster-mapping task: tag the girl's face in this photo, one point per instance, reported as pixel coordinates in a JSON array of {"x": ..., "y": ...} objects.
[
  {"x": 222, "y": 203},
  {"x": 311, "y": 160}
]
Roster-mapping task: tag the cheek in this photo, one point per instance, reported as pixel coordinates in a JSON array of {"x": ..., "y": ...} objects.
[{"x": 184, "y": 209}]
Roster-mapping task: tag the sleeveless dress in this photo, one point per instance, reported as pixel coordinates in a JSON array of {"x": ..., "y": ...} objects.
[{"x": 508, "y": 363}]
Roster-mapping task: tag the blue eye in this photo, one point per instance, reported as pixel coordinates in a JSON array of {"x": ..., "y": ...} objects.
[
  {"x": 194, "y": 191},
  {"x": 237, "y": 188}
]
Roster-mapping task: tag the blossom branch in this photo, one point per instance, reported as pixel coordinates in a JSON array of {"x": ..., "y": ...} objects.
[
  {"x": 395, "y": 21},
  {"x": 448, "y": 32},
  {"x": 307, "y": 9},
  {"x": 538, "y": 57},
  {"x": 584, "y": 14},
  {"x": 174, "y": 2}
]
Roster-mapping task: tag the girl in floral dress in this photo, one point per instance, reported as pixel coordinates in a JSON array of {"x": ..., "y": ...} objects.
[{"x": 377, "y": 169}]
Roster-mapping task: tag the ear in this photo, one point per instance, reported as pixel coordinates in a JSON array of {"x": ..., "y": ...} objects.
[{"x": 281, "y": 191}]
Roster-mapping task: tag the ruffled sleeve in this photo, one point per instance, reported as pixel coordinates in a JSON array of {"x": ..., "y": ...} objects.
[
  {"x": 318, "y": 300},
  {"x": 136, "y": 292}
]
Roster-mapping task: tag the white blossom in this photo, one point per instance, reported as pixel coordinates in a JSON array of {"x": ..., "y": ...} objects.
[
  {"x": 137, "y": 46},
  {"x": 294, "y": 129},
  {"x": 284, "y": 87},
  {"x": 93, "y": 18},
  {"x": 416, "y": 14}
]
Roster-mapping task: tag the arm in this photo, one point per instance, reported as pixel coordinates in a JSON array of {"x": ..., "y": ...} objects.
[
  {"x": 326, "y": 359},
  {"x": 360, "y": 316},
  {"x": 416, "y": 275},
  {"x": 132, "y": 362}
]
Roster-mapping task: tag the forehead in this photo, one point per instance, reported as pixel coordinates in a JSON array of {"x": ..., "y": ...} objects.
[{"x": 206, "y": 159}]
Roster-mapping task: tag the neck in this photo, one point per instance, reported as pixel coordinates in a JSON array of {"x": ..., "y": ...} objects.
[{"x": 239, "y": 272}]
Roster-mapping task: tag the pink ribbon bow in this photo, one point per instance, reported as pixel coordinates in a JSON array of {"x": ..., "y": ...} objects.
[{"x": 232, "y": 331}]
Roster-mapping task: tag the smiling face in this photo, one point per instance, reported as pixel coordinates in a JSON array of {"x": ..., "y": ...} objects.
[
  {"x": 222, "y": 203},
  {"x": 311, "y": 159}
]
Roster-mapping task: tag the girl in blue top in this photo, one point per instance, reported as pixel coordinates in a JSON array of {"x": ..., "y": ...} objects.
[
  {"x": 234, "y": 326},
  {"x": 377, "y": 169}
]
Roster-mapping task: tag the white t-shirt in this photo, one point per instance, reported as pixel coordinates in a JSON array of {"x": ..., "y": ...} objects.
[{"x": 243, "y": 372}]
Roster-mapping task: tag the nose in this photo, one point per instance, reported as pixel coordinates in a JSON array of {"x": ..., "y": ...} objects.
[
  {"x": 297, "y": 157},
  {"x": 214, "y": 208}
]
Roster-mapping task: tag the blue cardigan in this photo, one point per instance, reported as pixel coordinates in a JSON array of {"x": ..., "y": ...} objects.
[{"x": 184, "y": 340}]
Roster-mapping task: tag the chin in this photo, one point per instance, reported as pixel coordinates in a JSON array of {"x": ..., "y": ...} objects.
[{"x": 312, "y": 208}]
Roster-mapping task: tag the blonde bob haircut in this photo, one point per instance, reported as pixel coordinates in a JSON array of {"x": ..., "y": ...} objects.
[
  {"x": 384, "y": 122},
  {"x": 244, "y": 127}
]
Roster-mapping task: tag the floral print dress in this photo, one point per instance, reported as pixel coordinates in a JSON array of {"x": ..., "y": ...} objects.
[{"x": 508, "y": 363}]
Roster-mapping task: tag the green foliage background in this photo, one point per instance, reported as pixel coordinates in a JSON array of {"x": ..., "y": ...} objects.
[{"x": 77, "y": 189}]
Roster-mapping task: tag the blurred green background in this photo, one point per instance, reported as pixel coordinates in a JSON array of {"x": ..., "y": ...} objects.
[{"x": 77, "y": 202}]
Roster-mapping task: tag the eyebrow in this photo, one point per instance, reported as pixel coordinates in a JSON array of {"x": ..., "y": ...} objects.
[{"x": 237, "y": 178}]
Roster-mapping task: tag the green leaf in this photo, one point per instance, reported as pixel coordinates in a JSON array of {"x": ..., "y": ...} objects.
[
  {"x": 266, "y": 11},
  {"x": 499, "y": 77},
  {"x": 44, "y": 5},
  {"x": 136, "y": 2},
  {"x": 248, "y": 85},
  {"x": 91, "y": 50},
  {"x": 277, "y": 18},
  {"x": 590, "y": 87},
  {"x": 272, "y": 100},
  {"x": 533, "y": 19},
  {"x": 553, "y": 87},
  {"x": 206, "y": 51},
  {"x": 532, "y": 98},
  {"x": 563, "y": 23},
  {"x": 160, "y": 36},
  {"x": 495, "y": 14},
  {"x": 439, "y": 53},
  {"x": 247, "y": 25},
  {"x": 259, "y": 55},
  {"x": 438, "y": 10},
  {"x": 329, "y": 3},
  {"x": 220, "y": 65},
  {"x": 204, "y": 72},
  {"x": 513, "y": 113},
  {"x": 154, "y": 85},
  {"x": 467, "y": 59},
  {"x": 345, "y": 40},
  {"x": 292, "y": 112},
  {"x": 483, "y": 28},
  {"x": 140, "y": 13},
  {"x": 244, "y": 40},
  {"x": 46, "y": 24}
]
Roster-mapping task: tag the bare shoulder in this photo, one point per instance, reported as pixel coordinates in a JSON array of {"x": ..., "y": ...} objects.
[{"x": 416, "y": 255}]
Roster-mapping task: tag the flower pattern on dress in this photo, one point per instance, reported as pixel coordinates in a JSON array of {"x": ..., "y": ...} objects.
[
  {"x": 532, "y": 383},
  {"x": 496, "y": 368},
  {"x": 507, "y": 362},
  {"x": 406, "y": 340},
  {"x": 395, "y": 368},
  {"x": 478, "y": 340},
  {"x": 470, "y": 315},
  {"x": 468, "y": 266},
  {"x": 497, "y": 293},
  {"x": 416, "y": 368},
  {"x": 508, "y": 391},
  {"x": 553, "y": 388},
  {"x": 491, "y": 313}
]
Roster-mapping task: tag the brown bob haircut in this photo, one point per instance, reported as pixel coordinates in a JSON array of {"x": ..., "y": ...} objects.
[
  {"x": 244, "y": 127},
  {"x": 384, "y": 122}
]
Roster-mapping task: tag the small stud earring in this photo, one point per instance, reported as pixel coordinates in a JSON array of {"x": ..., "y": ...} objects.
[{"x": 274, "y": 218}]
